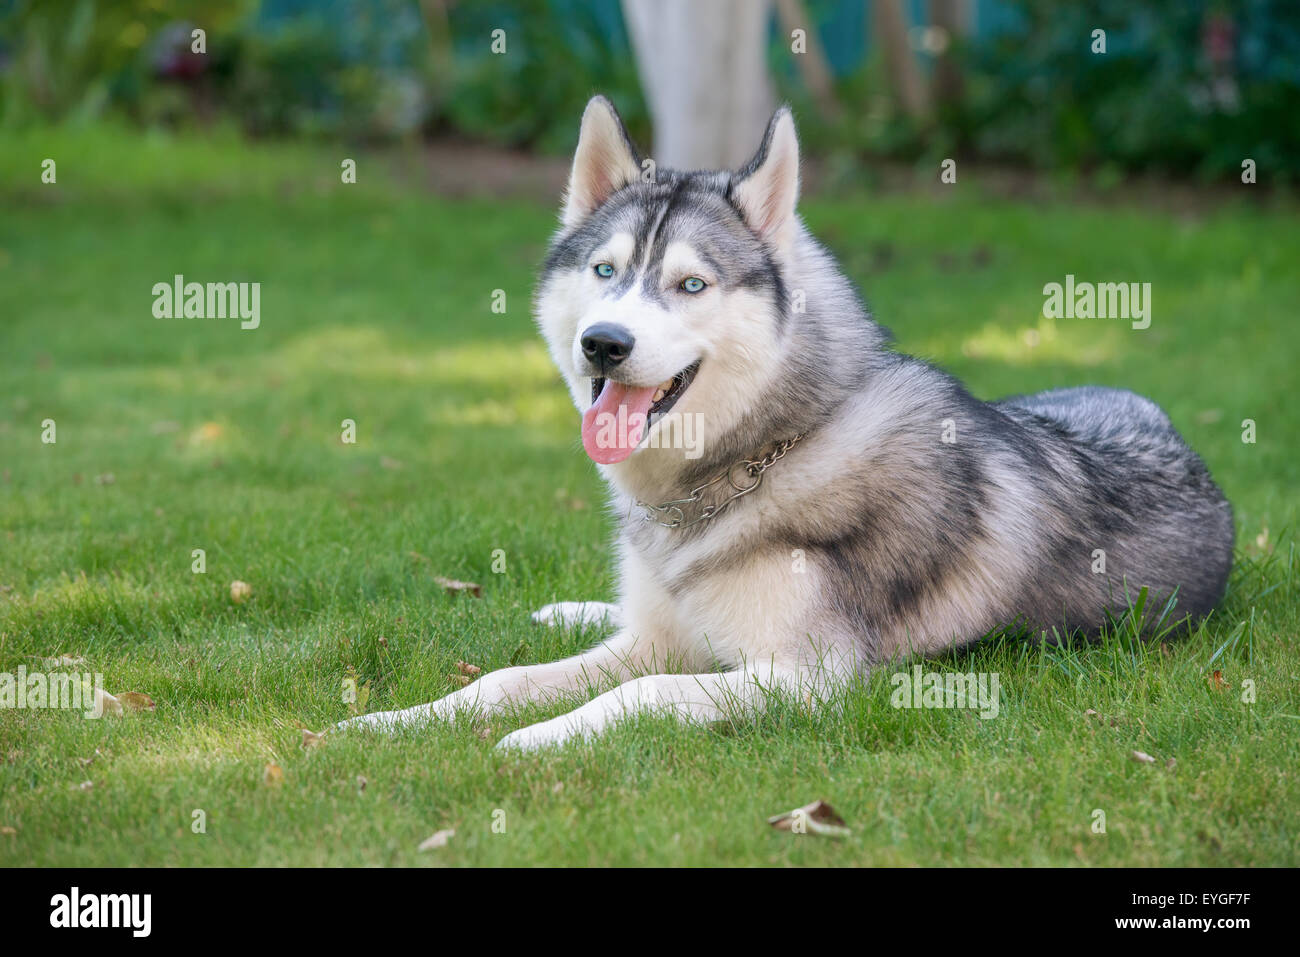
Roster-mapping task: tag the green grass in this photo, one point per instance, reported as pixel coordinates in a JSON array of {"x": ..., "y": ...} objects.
[{"x": 376, "y": 307}]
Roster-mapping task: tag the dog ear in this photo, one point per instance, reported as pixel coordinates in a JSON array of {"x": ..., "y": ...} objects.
[
  {"x": 604, "y": 162},
  {"x": 767, "y": 190}
]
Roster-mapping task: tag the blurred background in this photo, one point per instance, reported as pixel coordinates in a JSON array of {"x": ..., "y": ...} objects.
[{"x": 1185, "y": 88}]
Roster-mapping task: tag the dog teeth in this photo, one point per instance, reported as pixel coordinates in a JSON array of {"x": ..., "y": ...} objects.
[{"x": 660, "y": 394}]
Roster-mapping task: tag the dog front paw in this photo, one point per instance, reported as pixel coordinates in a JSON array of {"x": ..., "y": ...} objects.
[
  {"x": 544, "y": 734},
  {"x": 387, "y": 722},
  {"x": 570, "y": 613}
]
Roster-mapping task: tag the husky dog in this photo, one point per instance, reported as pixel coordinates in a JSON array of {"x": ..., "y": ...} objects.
[{"x": 843, "y": 504}]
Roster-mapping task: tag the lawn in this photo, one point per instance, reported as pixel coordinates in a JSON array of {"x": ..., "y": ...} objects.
[{"x": 376, "y": 306}]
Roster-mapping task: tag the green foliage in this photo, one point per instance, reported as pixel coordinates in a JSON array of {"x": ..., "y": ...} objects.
[
  {"x": 71, "y": 59},
  {"x": 558, "y": 55},
  {"x": 1036, "y": 94},
  {"x": 1156, "y": 99},
  {"x": 57, "y": 66},
  {"x": 370, "y": 77}
]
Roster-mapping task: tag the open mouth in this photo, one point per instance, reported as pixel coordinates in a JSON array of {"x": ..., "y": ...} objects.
[
  {"x": 620, "y": 414},
  {"x": 666, "y": 394}
]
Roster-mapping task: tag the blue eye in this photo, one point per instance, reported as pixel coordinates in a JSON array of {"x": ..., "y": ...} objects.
[
  {"x": 693, "y": 284},
  {"x": 604, "y": 270}
]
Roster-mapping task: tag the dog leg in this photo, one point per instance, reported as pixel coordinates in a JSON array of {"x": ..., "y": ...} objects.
[
  {"x": 617, "y": 659},
  {"x": 570, "y": 613},
  {"x": 691, "y": 698}
]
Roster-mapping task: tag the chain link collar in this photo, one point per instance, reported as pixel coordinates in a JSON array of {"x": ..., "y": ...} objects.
[{"x": 673, "y": 514}]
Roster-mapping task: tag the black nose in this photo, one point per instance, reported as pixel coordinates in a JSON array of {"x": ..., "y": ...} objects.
[{"x": 607, "y": 344}]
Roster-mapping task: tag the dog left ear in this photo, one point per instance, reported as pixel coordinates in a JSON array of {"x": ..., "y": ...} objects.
[
  {"x": 604, "y": 162},
  {"x": 767, "y": 190}
]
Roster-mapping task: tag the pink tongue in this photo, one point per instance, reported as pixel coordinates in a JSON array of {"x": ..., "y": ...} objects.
[{"x": 613, "y": 426}]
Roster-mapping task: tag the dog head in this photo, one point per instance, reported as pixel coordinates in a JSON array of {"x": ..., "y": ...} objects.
[{"x": 663, "y": 297}]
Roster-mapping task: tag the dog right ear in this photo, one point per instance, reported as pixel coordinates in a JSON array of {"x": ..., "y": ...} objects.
[
  {"x": 767, "y": 190},
  {"x": 604, "y": 162}
]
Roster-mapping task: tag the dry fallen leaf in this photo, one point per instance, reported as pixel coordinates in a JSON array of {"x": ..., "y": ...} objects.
[
  {"x": 465, "y": 668},
  {"x": 361, "y": 782},
  {"x": 454, "y": 586},
  {"x": 438, "y": 840},
  {"x": 311, "y": 738},
  {"x": 1090, "y": 713},
  {"x": 564, "y": 500},
  {"x": 816, "y": 818},
  {"x": 135, "y": 701},
  {"x": 8, "y": 831},
  {"x": 459, "y": 681},
  {"x": 1141, "y": 757},
  {"x": 1217, "y": 682},
  {"x": 209, "y": 431},
  {"x": 273, "y": 775},
  {"x": 240, "y": 591}
]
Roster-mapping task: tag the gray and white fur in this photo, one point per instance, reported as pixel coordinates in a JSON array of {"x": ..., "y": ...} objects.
[{"x": 910, "y": 517}]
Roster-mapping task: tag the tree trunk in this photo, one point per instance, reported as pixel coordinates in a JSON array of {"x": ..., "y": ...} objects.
[
  {"x": 814, "y": 69},
  {"x": 703, "y": 68},
  {"x": 950, "y": 16},
  {"x": 904, "y": 75}
]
